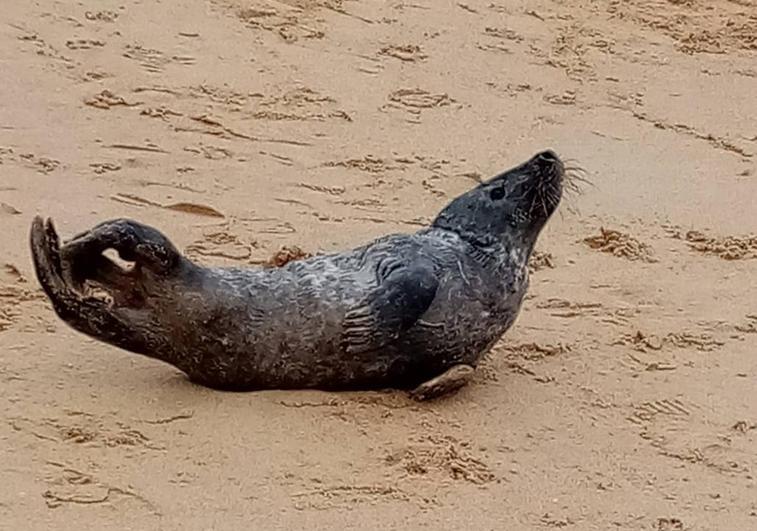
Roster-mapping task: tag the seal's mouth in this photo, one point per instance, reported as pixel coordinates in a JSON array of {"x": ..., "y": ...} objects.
[{"x": 543, "y": 177}]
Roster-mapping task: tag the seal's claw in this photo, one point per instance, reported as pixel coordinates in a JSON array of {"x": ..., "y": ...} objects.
[
  {"x": 45, "y": 246},
  {"x": 446, "y": 383}
]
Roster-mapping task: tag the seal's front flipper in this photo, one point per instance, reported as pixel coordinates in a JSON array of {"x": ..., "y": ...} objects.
[
  {"x": 446, "y": 383},
  {"x": 404, "y": 293}
]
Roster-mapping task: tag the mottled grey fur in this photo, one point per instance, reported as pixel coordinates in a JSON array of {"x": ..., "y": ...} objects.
[{"x": 393, "y": 313}]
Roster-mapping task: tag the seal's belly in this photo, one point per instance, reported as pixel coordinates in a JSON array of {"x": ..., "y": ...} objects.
[
  {"x": 462, "y": 323},
  {"x": 285, "y": 330},
  {"x": 275, "y": 330}
]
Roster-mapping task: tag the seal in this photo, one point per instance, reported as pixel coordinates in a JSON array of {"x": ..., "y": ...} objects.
[{"x": 406, "y": 311}]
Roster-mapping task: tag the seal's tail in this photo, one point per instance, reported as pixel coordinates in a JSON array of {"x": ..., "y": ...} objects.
[{"x": 90, "y": 315}]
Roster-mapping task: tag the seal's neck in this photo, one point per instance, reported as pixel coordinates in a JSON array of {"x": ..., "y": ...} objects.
[
  {"x": 503, "y": 235},
  {"x": 490, "y": 251}
]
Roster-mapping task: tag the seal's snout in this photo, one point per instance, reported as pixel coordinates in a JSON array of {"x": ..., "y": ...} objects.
[
  {"x": 520, "y": 199},
  {"x": 547, "y": 168},
  {"x": 547, "y": 157},
  {"x": 548, "y": 161}
]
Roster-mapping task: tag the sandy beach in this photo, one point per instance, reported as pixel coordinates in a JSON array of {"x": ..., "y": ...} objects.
[{"x": 622, "y": 398}]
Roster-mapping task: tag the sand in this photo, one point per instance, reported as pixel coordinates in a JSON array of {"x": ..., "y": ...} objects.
[{"x": 623, "y": 398}]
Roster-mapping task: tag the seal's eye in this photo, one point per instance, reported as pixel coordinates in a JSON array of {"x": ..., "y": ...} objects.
[{"x": 497, "y": 193}]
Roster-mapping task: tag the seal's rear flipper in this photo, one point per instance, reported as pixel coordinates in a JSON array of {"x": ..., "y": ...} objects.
[
  {"x": 404, "y": 293},
  {"x": 446, "y": 383},
  {"x": 145, "y": 246},
  {"x": 89, "y": 315}
]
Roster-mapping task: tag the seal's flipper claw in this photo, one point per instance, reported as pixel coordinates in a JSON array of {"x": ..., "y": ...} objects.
[
  {"x": 446, "y": 383},
  {"x": 395, "y": 305},
  {"x": 45, "y": 256}
]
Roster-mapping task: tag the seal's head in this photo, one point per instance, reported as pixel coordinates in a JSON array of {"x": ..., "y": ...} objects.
[{"x": 509, "y": 209}]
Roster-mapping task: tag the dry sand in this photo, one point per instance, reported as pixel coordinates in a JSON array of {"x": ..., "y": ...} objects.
[{"x": 623, "y": 398}]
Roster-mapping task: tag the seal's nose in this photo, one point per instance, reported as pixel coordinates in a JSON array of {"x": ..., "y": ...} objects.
[
  {"x": 548, "y": 157},
  {"x": 547, "y": 161}
]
